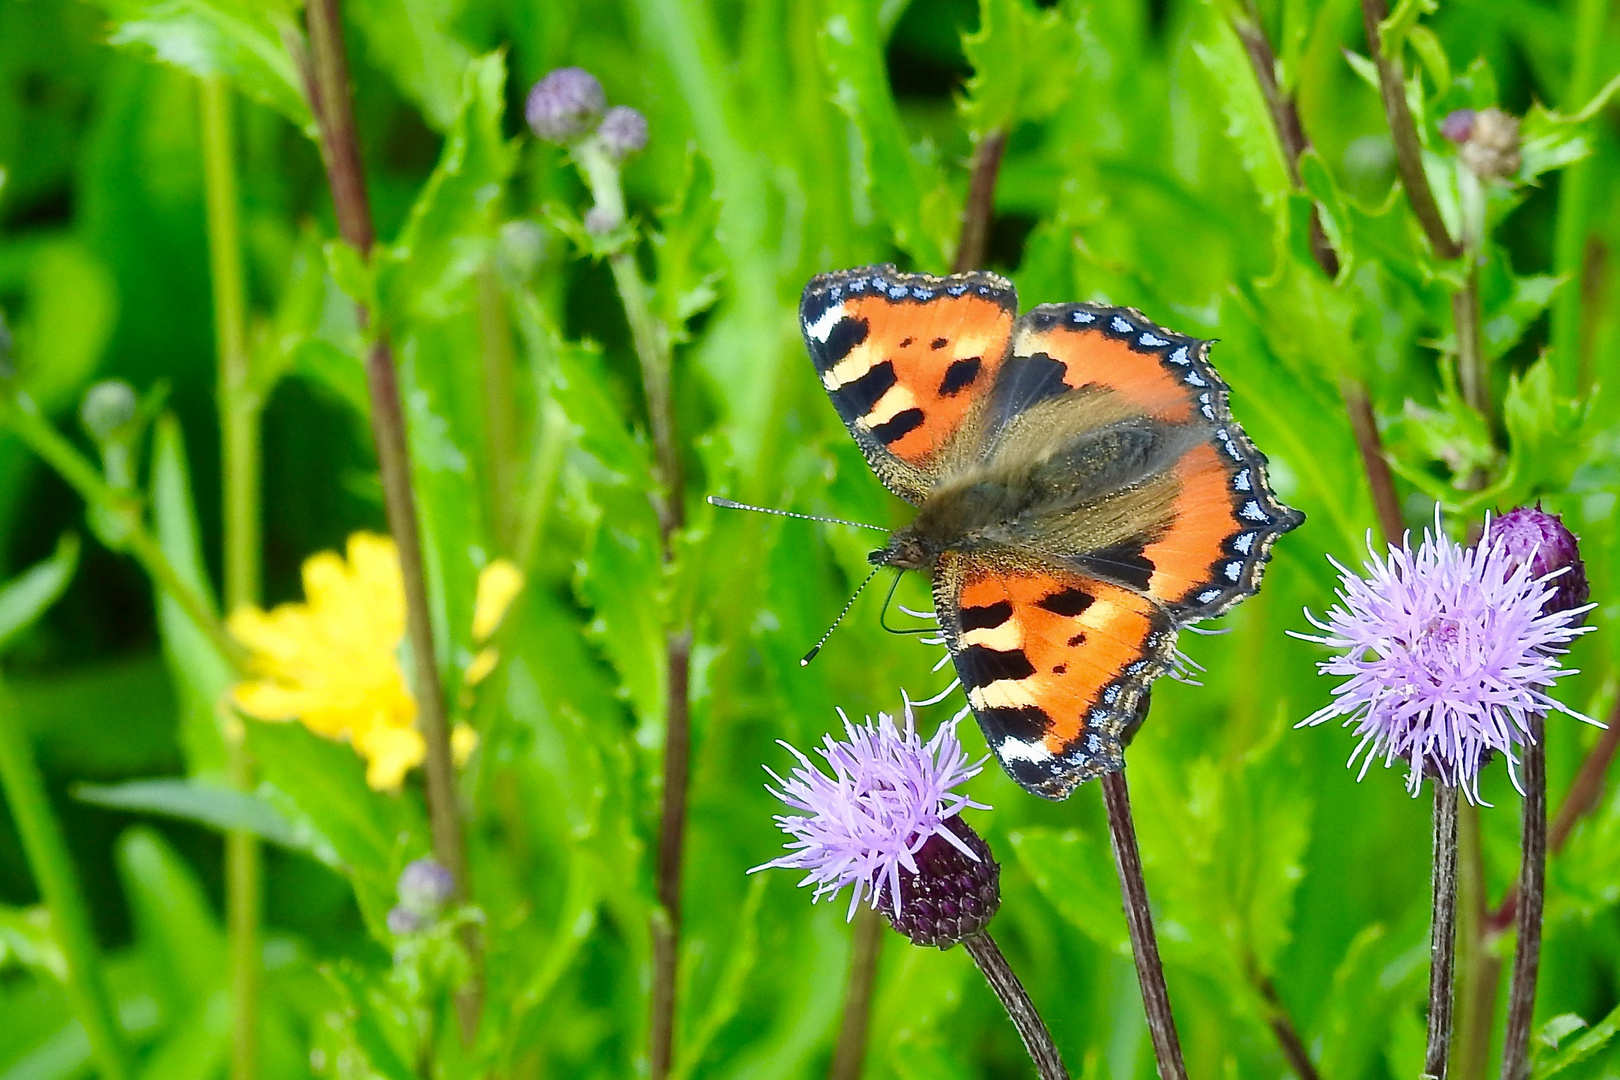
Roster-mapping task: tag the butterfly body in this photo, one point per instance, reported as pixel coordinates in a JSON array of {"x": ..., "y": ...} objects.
[{"x": 1082, "y": 492}]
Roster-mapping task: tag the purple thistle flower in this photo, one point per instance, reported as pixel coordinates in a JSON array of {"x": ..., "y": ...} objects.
[
  {"x": 1448, "y": 652},
  {"x": 623, "y": 132},
  {"x": 889, "y": 794}
]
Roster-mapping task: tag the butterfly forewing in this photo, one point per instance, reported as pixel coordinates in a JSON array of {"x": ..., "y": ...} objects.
[
  {"x": 1209, "y": 550},
  {"x": 908, "y": 360}
]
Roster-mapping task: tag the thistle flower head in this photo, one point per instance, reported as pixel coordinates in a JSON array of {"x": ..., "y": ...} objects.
[
  {"x": 565, "y": 104},
  {"x": 888, "y": 797},
  {"x": 1531, "y": 535},
  {"x": 623, "y": 132},
  {"x": 1447, "y": 654}
]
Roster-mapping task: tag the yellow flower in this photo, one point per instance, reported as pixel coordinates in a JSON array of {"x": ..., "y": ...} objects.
[{"x": 332, "y": 661}]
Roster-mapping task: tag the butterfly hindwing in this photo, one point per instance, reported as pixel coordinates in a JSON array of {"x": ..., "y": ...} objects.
[
  {"x": 1055, "y": 663},
  {"x": 1203, "y": 545},
  {"x": 908, "y": 360}
]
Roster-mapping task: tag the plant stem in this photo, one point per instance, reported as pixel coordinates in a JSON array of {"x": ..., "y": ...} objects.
[
  {"x": 1139, "y": 919},
  {"x": 850, "y": 1053},
  {"x": 340, "y": 150},
  {"x": 42, "y": 842},
  {"x": 1532, "y": 888},
  {"x": 652, "y": 348},
  {"x": 1408, "y": 148},
  {"x": 239, "y": 440},
  {"x": 1031, "y": 1028},
  {"x": 21, "y": 414},
  {"x": 1575, "y": 186},
  {"x": 1357, "y": 402},
  {"x": 1282, "y": 1026},
  {"x": 980, "y": 208},
  {"x": 1442, "y": 930},
  {"x": 496, "y": 353}
]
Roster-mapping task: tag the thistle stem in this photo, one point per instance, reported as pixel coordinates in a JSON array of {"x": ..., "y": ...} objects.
[
  {"x": 1442, "y": 930},
  {"x": 53, "y": 871},
  {"x": 1139, "y": 919},
  {"x": 1408, "y": 148},
  {"x": 1282, "y": 1026},
  {"x": 979, "y": 210},
  {"x": 329, "y": 96},
  {"x": 1532, "y": 889},
  {"x": 1031, "y": 1028},
  {"x": 850, "y": 1053},
  {"x": 1291, "y": 135},
  {"x": 239, "y": 439}
]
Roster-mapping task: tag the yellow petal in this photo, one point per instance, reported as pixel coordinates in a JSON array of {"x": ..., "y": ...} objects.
[
  {"x": 264, "y": 700},
  {"x": 390, "y": 753},
  {"x": 463, "y": 741},
  {"x": 481, "y": 666},
  {"x": 498, "y": 585}
]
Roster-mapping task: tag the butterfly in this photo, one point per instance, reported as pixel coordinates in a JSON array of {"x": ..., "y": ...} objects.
[{"x": 1082, "y": 493}]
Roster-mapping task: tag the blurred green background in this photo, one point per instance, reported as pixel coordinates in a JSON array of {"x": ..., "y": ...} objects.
[{"x": 786, "y": 139}]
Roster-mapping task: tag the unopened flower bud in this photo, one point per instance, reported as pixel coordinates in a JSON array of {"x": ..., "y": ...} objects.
[
  {"x": 107, "y": 407},
  {"x": 1491, "y": 151},
  {"x": 599, "y": 221},
  {"x": 1531, "y": 535},
  {"x": 402, "y": 922},
  {"x": 623, "y": 132},
  {"x": 425, "y": 887},
  {"x": 1458, "y": 125},
  {"x": 951, "y": 896},
  {"x": 565, "y": 104}
]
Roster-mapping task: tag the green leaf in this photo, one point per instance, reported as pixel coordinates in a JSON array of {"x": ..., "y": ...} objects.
[
  {"x": 27, "y": 596},
  {"x": 451, "y": 228},
  {"x": 1582, "y": 1048},
  {"x": 1549, "y": 140},
  {"x": 580, "y": 382},
  {"x": 621, "y": 580},
  {"x": 1023, "y": 61},
  {"x": 413, "y": 42},
  {"x": 28, "y": 941},
  {"x": 1549, "y": 434},
  {"x": 887, "y": 171},
  {"x": 728, "y": 992},
  {"x": 1076, "y": 875},
  {"x": 69, "y": 308},
  {"x": 195, "y": 1045},
  {"x": 688, "y": 258},
  {"x": 214, "y": 806},
  {"x": 201, "y": 675},
  {"x": 239, "y": 39},
  {"x": 1508, "y": 317},
  {"x": 1248, "y": 119},
  {"x": 1394, "y": 28},
  {"x": 1433, "y": 57},
  {"x": 175, "y": 925}
]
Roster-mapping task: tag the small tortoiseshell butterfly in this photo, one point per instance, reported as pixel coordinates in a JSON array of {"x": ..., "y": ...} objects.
[{"x": 1082, "y": 493}]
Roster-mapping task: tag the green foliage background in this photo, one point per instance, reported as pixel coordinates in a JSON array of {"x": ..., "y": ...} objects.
[{"x": 787, "y": 139}]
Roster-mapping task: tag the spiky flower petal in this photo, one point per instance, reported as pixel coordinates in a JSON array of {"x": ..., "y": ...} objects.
[
  {"x": 1447, "y": 654},
  {"x": 888, "y": 795}
]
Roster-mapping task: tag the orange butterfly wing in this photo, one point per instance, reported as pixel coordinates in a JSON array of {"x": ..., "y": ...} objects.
[
  {"x": 1212, "y": 551},
  {"x": 908, "y": 360},
  {"x": 1055, "y": 663}
]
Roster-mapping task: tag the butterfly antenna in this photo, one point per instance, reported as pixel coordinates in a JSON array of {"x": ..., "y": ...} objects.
[
  {"x": 811, "y": 655},
  {"x": 728, "y": 504}
]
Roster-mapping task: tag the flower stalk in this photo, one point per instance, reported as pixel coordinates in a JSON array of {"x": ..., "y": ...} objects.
[
  {"x": 1442, "y": 930},
  {"x": 1139, "y": 920},
  {"x": 1531, "y": 896},
  {"x": 239, "y": 410},
  {"x": 979, "y": 210},
  {"x": 1031, "y": 1028},
  {"x": 329, "y": 95},
  {"x": 849, "y": 1054}
]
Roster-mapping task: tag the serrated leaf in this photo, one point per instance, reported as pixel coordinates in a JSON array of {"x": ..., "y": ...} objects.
[
  {"x": 1023, "y": 63},
  {"x": 1549, "y": 140},
  {"x": 1505, "y": 322},
  {"x": 1248, "y": 119},
  {"x": 1581, "y": 1049},
  {"x": 1076, "y": 875},
  {"x": 241, "y": 41},
  {"x": 451, "y": 227},
  {"x": 30, "y": 594},
  {"x": 413, "y": 42},
  {"x": 688, "y": 258},
  {"x": 621, "y": 580},
  {"x": 580, "y": 383},
  {"x": 1433, "y": 57},
  {"x": 886, "y": 169}
]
